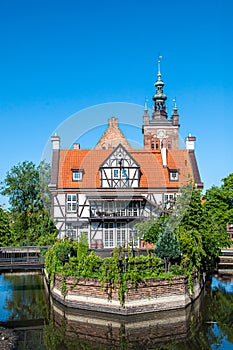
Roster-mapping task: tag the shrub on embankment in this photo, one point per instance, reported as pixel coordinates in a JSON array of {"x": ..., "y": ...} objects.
[{"x": 124, "y": 267}]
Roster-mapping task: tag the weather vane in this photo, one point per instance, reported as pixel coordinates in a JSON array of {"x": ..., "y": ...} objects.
[
  {"x": 159, "y": 60},
  {"x": 174, "y": 100}
]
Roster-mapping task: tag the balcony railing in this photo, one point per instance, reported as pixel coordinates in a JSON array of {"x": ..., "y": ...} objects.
[{"x": 133, "y": 213}]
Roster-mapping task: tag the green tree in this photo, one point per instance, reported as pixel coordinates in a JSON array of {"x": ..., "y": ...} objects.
[
  {"x": 42, "y": 230},
  {"x": 190, "y": 226},
  {"x": 172, "y": 212},
  {"x": 218, "y": 212},
  {"x": 188, "y": 211},
  {"x": 6, "y": 238},
  {"x": 83, "y": 246},
  {"x": 22, "y": 186},
  {"x": 44, "y": 170},
  {"x": 191, "y": 246},
  {"x": 26, "y": 185},
  {"x": 227, "y": 187},
  {"x": 167, "y": 246},
  {"x": 219, "y": 203},
  {"x": 150, "y": 230}
]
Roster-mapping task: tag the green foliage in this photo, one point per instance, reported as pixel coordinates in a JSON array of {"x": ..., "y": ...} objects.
[
  {"x": 214, "y": 237},
  {"x": 22, "y": 186},
  {"x": 113, "y": 273},
  {"x": 44, "y": 170},
  {"x": 191, "y": 247},
  {"x": 19, "y": 229},
  {"x": 218, "y": 211},
  {"x": 6, "y": 238},
  {"x": 227, "y": 188},
  {"x": 57, "y": 255},
  {"x": 26, "y": 185},
  {"x": 82, "y": 246},
  {"x": 167, "y": 246},
  {"x": 189, "y": 208},
  {"x": 200, "y": 228},
  {"x": 91, "y": 265},
  {"x": 42, "y": 228},
  {"x": 150, "y": 230}
]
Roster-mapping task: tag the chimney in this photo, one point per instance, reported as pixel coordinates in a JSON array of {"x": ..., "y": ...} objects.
[
  {"x": 113, "y": 122},
  {"x": 55, "y": 162},
  {"x": 164, "y": 156},
  {"x": 55, "y": 142},
  {"x": 190, "y": 142},
  {"x": 76, "y": 145}
]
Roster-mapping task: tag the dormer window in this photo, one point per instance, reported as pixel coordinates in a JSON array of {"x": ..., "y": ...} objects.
[
  {"x": 174, "y": 175},
  {"x": 77, "y": 175}
]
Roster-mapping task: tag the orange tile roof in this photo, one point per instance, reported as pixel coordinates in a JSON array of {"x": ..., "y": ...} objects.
[{"x": 153, "y": 175}]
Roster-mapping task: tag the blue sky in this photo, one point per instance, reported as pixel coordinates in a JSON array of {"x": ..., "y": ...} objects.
[{"x": 59, "y": 57}]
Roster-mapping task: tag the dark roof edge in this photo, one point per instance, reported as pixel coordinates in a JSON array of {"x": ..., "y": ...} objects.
[
  {"x": 54, "y": 168},
  {"x": 196, "y": 174}
]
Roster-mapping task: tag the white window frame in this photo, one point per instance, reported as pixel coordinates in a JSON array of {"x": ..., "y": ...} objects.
[
  {"x": 168, "y": 197},
  {"x": 174, "y": 175},
  {"x": 77, "y": 175},
  {"x": 121, "y": 233},
  {"x": 109, "y": 235},
  {"x": 71, "y": 231},
  {"x": 132, "y": 239},
  {"x": 71, "y": 203}
]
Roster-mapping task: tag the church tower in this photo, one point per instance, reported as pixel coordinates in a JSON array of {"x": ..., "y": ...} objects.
[{"x": 159, "y": 130}]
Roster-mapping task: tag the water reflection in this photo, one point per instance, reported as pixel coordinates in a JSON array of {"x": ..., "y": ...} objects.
[
  {"x": 131, "y": 332},
  {"x": 206, "y": 324},
  {"x": 24, "y": 297}
]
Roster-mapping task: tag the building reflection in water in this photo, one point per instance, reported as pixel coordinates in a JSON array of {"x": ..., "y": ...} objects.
[{"x": 139, "y": 331}]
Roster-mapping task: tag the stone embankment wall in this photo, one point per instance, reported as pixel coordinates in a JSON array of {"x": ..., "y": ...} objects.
[{"x": 149, "y": 296}]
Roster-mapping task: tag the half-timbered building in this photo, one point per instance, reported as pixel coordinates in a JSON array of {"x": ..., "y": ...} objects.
[{"x": 104, "y": 191}]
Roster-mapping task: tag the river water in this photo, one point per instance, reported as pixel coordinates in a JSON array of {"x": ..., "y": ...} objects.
[{"x": 40, "y": 323}]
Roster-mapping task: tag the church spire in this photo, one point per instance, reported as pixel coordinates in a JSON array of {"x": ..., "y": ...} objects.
[
  {"x": 175, "y": 115},
  {"x": 159, "y": 98}
]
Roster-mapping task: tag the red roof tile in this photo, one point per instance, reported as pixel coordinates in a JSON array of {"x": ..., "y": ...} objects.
[{"x": 153, "y": 175}]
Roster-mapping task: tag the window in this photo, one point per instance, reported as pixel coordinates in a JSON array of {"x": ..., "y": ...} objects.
[
  {"x": 71, "y": 203},
  {"x": 174, "y": 176},
  {"x": 108, "y": 235},
  {"x": 168, "y": 198},
  {"x": 85, "y": 225},
  {"x": 71, "y": 231},
  {"x": 133, "y": 238},
  {"x": 124, "y": 173},
  {"x": 77, "y": 175},
  {"x": 121, "y": 233},
  {"x": 115, "y": 173}
]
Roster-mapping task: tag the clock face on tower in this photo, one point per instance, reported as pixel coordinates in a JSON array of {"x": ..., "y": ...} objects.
[{"x": 161, "y": 134}]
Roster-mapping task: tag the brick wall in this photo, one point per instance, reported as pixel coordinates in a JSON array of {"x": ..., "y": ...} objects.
[{"x": 153, "y": 288}]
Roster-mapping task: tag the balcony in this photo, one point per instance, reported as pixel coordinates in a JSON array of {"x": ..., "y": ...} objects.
[{"x": 122, "y": 213}]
